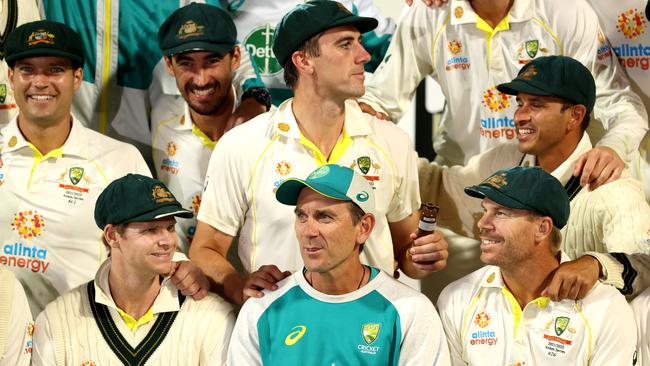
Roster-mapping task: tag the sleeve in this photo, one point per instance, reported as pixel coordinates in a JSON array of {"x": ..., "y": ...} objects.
[
  {"x": 618, "y": 108},
  {"x": 407, "y": 62},
  {"x": 629, "y": 273},
  {"x": 224, "y": 202},
  {"x": 43, "y": 352},
  {"x": 222, "y": 333},
  {"x": 406, "y": 198},
  {"x": 424, "y": 341},
  {"x": 244, "y": 348},
  {"x": 641, "y": 309},
  {"x": 19, "y": 346},
  {"x": 451, "y": 318},
  {"x": 616, "y": 340}
]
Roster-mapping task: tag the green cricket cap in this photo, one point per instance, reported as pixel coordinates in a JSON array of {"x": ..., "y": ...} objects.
[
  {"x": 557, "y": 76},
  {"x": 333, "y": 181},
  {"x": 197, "y": 27},
  {"x": 526, "y": 188},
  {"x": 44, "y": 38},
  {"x": 136, "y": 198},
  {"x": 308, "y": 19}
]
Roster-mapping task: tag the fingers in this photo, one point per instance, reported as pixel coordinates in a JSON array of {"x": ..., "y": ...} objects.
[
  {"x": 598, "y": 166},
  {"x": 429, "y": 252},
  {"x": 265, "y": 278},
  {"x": 409, "y": 2},
  {"x": 573, "y": 279},
  {"x": 366, "y": 108}
]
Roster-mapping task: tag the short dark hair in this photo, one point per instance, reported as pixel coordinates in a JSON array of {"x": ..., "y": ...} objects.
[
  {"x": 120, "y": 228},
  {"x": 312, "y": 48}
]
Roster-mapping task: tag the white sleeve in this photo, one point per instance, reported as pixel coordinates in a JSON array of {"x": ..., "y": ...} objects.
[
  {"x": 451, "y": 318},
  {"x": 641, "y": 308},
  {"x": 408, "y": 60},
  {"x": 406, "y": 198},
  {"x": 43, "y": 353},
  {"x": 617, "y": 106},
  {"x": 424, "y": 341},
  {"x": 18, "y": 346},
  {"x": 221, "y": 337},
  {"x": 616, "y": 339},
  {"x": 224, "y": 203},
  {"x": 244, "y": 348}
]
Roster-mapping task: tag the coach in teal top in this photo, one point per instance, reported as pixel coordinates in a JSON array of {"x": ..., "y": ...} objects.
[{"x": 336, "y": 311}]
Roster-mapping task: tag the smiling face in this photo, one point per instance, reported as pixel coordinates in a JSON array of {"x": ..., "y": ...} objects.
[
  {"x": 204, "y": 78},
  {"x": 339, "y": 68},
  {"x": 43, "y": 89},
  {"x": 329, "y": 237},
  {"x": 144, "y": 247}
]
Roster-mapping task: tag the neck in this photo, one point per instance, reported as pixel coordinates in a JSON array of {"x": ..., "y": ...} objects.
[
  {"x": 214, "y": 125},
  {"x": 131, "y": 292},
  {"x": 45, "y": 138},
  {"x": 320, "y": 120},
  {"x": 555, "y": 155},
  {"x": 339, "y": 281},
  {"x": 492, "y": 11},
  {"x": 525, "y": 284}
]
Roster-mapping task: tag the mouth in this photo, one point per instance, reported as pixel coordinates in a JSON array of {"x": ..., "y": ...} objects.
[
  {"x": 40, "y": 97},
  {"x": 312, "y": 250},
  {"x": 487, "y": 243},
  {"x": 524, "y": 133},
  {"x": 164, "y": 256}
]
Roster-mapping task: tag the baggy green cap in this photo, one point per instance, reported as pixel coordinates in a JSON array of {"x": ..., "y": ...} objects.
[
  {"x": 526, "y": 188},
  {"x": 557, "y": 76},
  {"x": 333, "y": 181},
  {"x": 308, "y": 19},
  {"x": 136, "y": 198},
  {"x": 199, "y": 27},
  {"x": 44, "y": 38}
]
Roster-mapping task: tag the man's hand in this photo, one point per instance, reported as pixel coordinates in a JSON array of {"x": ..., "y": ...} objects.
[
  {"x": 428, "y": 253},
  {"x": 573, "y": 279},
  {"x": 190, "y": 280},
  {"x": 429, "y": 2},
  {"x": 248, "y": 108},
  {"x": 366, "y": 108},
  {"x": 264, "y": 278},
  {"x": 598, "y": 166}
]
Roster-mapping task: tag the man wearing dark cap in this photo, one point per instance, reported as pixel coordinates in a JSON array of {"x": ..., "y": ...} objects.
[
  {"x": 132, "y": 313},
  {"x": 336, "y": 311},
  {"x": 498, "y": 313},
  {"x": 318, "y": 45},
  {"x": 611, "y": 224},
  {"x": 52, "y": 168},
  {"x": 199, "y": 44}
]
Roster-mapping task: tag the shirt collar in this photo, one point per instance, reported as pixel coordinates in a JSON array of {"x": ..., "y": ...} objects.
[
  {"x": 564, "y": 172},
  {"x": 75, "y": 144},
  {"x": 492, "y": 277},
  {"x": 463, "y": 13},
  {"x": 355, "y": 124},
  {"x": 166, "y": 301}
]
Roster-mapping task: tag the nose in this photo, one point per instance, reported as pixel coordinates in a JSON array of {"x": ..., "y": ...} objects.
[
  {"x": 521, "y": 114},
  {"x": 485, "y": 222},
  {"x": 201, "y": 77},
  {"x": 40, "y": 80},
  {"x": 362, "y": 55},
  {"x": 167, "y": 239},
  {"x": 308, "y": 228}
]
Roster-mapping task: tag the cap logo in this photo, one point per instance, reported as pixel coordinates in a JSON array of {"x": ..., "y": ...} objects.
[
  {"x": 343, "y": 8},
  {"x": 160, "y": 194},
  {"x": 40, "y": 36},
  {"x": 320, "y": 172},
  {"x": 497, "y": 181},
  {"x": 362, "y": 197},
  {"x": 529, "y": 73},
  {"x": 190, "y": 29}
]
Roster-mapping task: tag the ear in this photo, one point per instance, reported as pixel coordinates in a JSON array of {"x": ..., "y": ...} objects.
[
  {"x": 169, "y": 65},
  {"x": 302, "y": 62},
  {"x": 78, "y": 75},
  {"x": 111, "y": 235},
  {"x": 544, "y": 229},
  {"x": 235, "y": 58},
  {"x": 365, "y": 226},
  {"x": 10, "y": 76},
  {"x": 577, "y": 114}
]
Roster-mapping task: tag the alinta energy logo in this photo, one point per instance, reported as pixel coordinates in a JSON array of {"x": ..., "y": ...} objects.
[
  {"x": 28, "y": 225},
  {"x": 632, "y": 24},
  {"x": 497, "y": 127},
  {"x": 457, "y": 61},
  {"x": 486, "y": 337},
  {"x": 259, "y": 43}
]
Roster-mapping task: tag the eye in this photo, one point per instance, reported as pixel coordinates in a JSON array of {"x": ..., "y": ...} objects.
[
  {"x": 25, "y": 69},
  {"x": 213, "y": 60},
  {"x": 325, "y": 218},
  {"x": 301, "y": 216},
  {"x": 184, "y": 63},
  {"x": 345, "y": 45},
  {"x": 56, "y": 69},
  {"x": 171, "y": 228}
]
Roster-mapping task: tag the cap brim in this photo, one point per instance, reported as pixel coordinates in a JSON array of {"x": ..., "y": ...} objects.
[
  {"x": 162, "y": 212},
  {"x": 289, "y": 191},
  {"x": 44, "y": 51},
  {"x": 485, "y": 191},
  {"x": 522, "y": 86},
  {"x": 200, "y": 46}
]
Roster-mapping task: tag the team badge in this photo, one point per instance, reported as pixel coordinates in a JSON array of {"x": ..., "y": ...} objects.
[
  {"x": 482, "y": 319},
  {"x": 190, "y": 29},
  {"x": 28, "y": 224},
  {"x": 497, "y": 181},
  {"x": 161, "y": 194},
  {"x": 283, "y": 168},
  {"x": 75, "y": 174},
  {"x": 171, "y": 148},
  {"x": 364, "y": 163},
  {"x": 370, "y": 332},
  {"x": 13, "y": 141},
  {"x": 532, "y": 47},
  {"x": 3, "y": 92},
  {"x": 40, "y": 36},
  {"x": 561, "y": 323},
  {"x": 529, "y": 73},
  {"x": 631, "y": 23}
]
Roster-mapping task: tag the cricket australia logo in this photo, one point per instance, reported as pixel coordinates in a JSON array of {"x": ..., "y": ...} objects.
[
  {"x": 259, "y": 44},
  {"x": 532, "y": 47},
  {"x": 369, "y": 333},
  {"x": 631, "y": 23},
  {"x": 75, "y": 174},
  {"x": 561, "y": 323},
  {"x": 3, "y": 92}
]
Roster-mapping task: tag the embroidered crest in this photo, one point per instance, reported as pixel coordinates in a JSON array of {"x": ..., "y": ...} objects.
[
  {"x": 190, "y": 29},
  {"x": 75, "y": 174},
  {"x": 160, "y": 194},
  {"x": 370, "y": 332}
]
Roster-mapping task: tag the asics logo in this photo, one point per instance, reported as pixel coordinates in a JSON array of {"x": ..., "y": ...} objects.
[{"x": 297, "y": 333}]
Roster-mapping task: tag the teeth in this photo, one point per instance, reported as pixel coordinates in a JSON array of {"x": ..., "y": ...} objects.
[
  {"x": 488, "y": 241},
  {"x": 203, "y": 92},
  {"x": 41, "y": 97},
  {"x": 525, "y": 131}
]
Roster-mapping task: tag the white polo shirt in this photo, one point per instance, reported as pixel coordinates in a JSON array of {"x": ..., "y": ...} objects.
[
  {"x": 484, "y": 322},
  {"x": 48, "y": 233},
  {"x": 469, "y": 59},
  {"x": 641, "y": 307},
  {"x": 16, "y": 325},
  {"x": 253, "y": 159}
]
